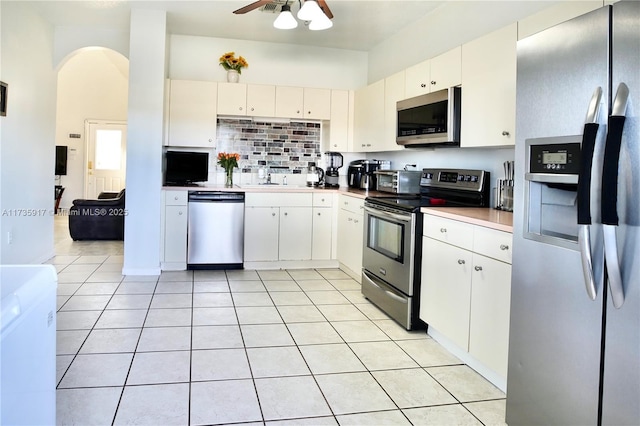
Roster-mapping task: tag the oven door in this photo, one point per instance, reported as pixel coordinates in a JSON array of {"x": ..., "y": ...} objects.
[{"x": 389, "y": 247}]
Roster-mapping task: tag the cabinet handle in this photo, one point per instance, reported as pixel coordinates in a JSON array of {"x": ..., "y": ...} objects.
[
  {"x": 504, "y": 247},
  {"x": 355, "y": 220},
  {"x": 433, "y": 82},
  {"x": 322, "y": 199},
  {"x": 505, "y": 133},
  {"x": 443, "y": 230},
  {"x": 318, "y": 214},
  {"x": 461, "y": 262},
  {"x": 240, "y": 108},
  {"x": 423, "y": 85},
  {"x": 252, "y": 109},
  {"x": 478, "y": 268},
  {"x": 210, "y": 140},
  {"x": 285, "y": 213},
  {"x": 179, "y": 213},
  {"x": 368, "y": 144},
  {"x": 175, "y": 198},
  {"x": 273, "y": 214},
  {"x": 298, "y": 112},
  {"x": 335, "y": 145},
  {"x": 350, "y": 220}
]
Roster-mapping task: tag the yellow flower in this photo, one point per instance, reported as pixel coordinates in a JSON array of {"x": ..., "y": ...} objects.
[{"x": 228, "y": 61}]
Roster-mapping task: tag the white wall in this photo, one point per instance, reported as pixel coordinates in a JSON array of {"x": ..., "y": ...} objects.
[
  {"x": 145, "y": 124},
  {"x": 28, "y": 135},
  {"x": 69, "y": 39},
  {"x": 197, "y": 58},
  {"x": 92, "y": 84}
]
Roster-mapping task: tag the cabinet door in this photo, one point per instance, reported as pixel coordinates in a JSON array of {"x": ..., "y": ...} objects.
[
  {"x": 350, "y": 235},
  {"x": 394, "y": 87},
  {"x": 295, "y": 233},
  {"x": 192, "y": 113},
  {"x": 261, "y": 232},
  {"x": 261, "y": 100},
  {"x": 175, "y": 234},
  {"x": 339, "y": 121},
  {"x": 490, "y": 307},
  {"x": 321, "y": 242},
  {"x": 232, "y": 98},
  {"x": 489, "y": 89},
  {"x": 289, "y": 102},
  {"x": 317, "y": 103},
  {"x": 368, "y": 129},
  {"x": 446, "y": 70},
  {"x": 418, "y": 79},
  {"x": 445, "y": 295}
]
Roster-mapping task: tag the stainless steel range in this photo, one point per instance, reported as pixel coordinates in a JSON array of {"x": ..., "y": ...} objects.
[{"x": 392, "y": 250}]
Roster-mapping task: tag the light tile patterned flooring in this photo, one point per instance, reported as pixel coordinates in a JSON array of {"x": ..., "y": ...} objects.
[{"x": 250, "y": 347}]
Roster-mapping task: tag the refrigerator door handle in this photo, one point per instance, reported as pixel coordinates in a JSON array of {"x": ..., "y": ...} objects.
[
  {"x": 584, "y": 192},
  {"x": 609, "y": 206}
]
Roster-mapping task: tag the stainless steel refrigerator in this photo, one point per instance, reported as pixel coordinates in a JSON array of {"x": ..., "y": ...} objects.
[{"x": 574, "y": 349}]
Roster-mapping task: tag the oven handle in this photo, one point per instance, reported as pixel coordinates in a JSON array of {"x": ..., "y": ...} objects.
[{"x": 398, "y": 217}]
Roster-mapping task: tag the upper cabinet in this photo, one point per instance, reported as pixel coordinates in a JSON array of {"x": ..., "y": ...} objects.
[
  {"x": 246, "y": 99},
  {"x": 192, "y": 113},
  {"x": 437, "y": 73},
  {"x": 338, "y": 131},
  {"x": 394, "y": 91},
  {"x": 489, "y": 89},
  {"x": 298, "y": 102},
  {"x": 368, "y": 132}
]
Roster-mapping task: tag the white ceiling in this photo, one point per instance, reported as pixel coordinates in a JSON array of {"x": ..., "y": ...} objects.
[{"x": 357, "y": 24}]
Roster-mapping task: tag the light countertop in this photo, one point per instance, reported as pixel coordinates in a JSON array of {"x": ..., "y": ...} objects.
[
  {"x": 274, "y": 188},
  {"x": 489, "y": 218}
]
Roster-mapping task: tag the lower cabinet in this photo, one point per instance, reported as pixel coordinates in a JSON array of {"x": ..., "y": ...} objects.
[
  {"x": 261, "y": 233},
  {"x": 174, "y": 241},
  {"x": 295, "y": 233},
  {"x": 466, "y": 288},
  {"x": 350, "y": 233},
  {"x": 322, "y": 233}
]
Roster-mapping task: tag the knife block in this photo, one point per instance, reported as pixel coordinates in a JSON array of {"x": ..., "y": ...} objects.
[{"x": 504, "y": 199}]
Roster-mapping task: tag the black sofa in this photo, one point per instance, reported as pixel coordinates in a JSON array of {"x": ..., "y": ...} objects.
[{"x": 101, "y": 219}]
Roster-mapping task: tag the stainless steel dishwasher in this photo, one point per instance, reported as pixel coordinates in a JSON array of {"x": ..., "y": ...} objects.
[{"x": 215, "y": 230}]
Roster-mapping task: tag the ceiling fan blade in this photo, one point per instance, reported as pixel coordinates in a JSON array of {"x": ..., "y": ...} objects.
[
  {"x": 252, "y": 6},
  {"x": 325, "y": 8}
]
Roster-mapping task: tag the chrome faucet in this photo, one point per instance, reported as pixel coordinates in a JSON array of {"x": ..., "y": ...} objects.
[{"x": 268, "y": 177}]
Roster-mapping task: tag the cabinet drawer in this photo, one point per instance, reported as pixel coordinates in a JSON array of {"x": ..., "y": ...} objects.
[
  {"x": 277, "y": 199},
  {"x": 322, "y": 200},
  {"x": 449, "y": 231},
  {"x": 493, "y": 243},
  {"x": 175, "y": 198},
  {"x": 352, "y": 204}
]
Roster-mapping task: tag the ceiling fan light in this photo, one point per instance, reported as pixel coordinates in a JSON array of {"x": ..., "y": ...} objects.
[
  {"x": 285, "y": 21},
  {"x": 309, "y": 11},
  {"x": 321, "y": 23}
]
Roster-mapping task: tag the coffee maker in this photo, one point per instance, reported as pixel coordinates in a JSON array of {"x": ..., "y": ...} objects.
[
  {"x": 360, "y": 173},
  {"x": 333, "y": 163}
]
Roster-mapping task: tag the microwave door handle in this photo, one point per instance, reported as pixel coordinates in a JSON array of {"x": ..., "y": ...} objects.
[
  {"x": 609, "y": 199},
  {"x": 584, "y": 192},
  {"x": 390, "y": 215}
]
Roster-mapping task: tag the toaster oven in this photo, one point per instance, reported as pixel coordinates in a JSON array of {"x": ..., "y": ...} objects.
[{"x": 398, "y": 181}]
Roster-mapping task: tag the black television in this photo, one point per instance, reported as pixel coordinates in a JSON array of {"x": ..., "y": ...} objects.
[
  {"x": 61, "y": 160},
  {"x": 185, "y": 168}
]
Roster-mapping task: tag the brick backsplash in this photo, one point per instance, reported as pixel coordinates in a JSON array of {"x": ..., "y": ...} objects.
[{"x": 283, "y": 147}]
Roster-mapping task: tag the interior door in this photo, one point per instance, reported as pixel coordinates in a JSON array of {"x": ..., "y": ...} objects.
[{"x": 106, "y": 157}]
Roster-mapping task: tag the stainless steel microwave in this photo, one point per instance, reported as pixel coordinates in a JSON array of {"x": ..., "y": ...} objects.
[{"x": 433, "y": 118}]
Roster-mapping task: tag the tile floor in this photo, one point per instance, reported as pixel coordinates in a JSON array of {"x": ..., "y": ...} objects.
[{"x": 245, "y": 347}]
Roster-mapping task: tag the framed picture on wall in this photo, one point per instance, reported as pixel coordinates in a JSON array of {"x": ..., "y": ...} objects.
[{"x": 3, "y": 98}]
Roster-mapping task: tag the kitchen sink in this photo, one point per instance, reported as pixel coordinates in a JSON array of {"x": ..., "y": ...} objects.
[{"x": 269, "y": 185}]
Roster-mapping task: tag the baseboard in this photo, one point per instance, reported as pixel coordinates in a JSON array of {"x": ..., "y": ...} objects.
[
  {"x": 292, "y": 264},
  {"x": 355, "y": 275},
  {"x": 141, "y": 271}
]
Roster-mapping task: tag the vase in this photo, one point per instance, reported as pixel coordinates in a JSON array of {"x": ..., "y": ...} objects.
[
  {"x": 229, "y": 178},
  {"x": 233, "y": 76}
]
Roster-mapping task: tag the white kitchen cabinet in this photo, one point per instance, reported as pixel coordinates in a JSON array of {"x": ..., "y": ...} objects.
[
  {"x": 418, "y": 80},
  {"x": 466, "y": 288},
  {"x": 317, "y": 103},
  {"x": 490, "y": 308},
  {"x": 289, "y": 102},
  {"x": 368, "y": 132},
  {"x": 192, "y": 113},
  {"x": 437, "y": 73},
  {"x": 261, "y": 233},
  {"x": 394, "y": 91},
  {"x": 175, "y": 218},
  {"x": 338, "y": 131},
  {"x": 489, "y": 89},
  {"x": 261, "y": 100},
  {"x": 296, "y": 227},
  {"x": 350, "y": 233},
  {"x": 232, "y": 98},
  {"x": 246, "y": 99},
  {"x": 322, "y": 232}
]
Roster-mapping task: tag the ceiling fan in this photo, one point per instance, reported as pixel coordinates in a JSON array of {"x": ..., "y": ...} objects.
[{"x": 274, "y": 6}]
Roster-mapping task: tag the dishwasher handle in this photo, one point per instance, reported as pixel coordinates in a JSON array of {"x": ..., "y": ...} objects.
[{"x": 209, "y": 196}]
